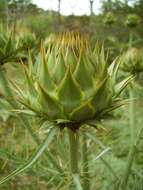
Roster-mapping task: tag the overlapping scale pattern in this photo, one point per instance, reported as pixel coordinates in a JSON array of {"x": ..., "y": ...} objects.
[{"x": 72, "y": 82}]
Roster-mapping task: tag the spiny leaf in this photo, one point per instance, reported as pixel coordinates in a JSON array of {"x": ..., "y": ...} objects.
[
  {"x": 113, "y": 68},
  {"x": 28, "y": 112},
  {"x": 18, "y": 90},
  {"x": 121, "y": 85},
  {"x": 116, "y": 104},
  {"x": 33, "y": 159}
]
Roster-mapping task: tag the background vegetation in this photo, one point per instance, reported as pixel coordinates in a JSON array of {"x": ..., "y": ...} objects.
[{"x": 109, "y": 144}]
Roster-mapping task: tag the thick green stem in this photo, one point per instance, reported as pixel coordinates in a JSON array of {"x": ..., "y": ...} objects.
[
  {"x": 86, "y": 178},
  {"x": 131, "y": 115},
  {"x": 131, "y": 96},
  {"x": 130, "y": 39},
  {"x": 73, "y": 142},
  {"x": 73, "y": 145},
  {"x": 13, "y": 103}
]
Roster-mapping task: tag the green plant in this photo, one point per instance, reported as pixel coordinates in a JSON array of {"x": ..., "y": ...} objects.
[
  {"x": 9, "y": 52},
  {"x": 110, "y": 18},
  {"x": 132, "y": 60},
  {"x": 8, "y": 47},
  {"x": 62, "y": 69},
  {"x": 70, "y": 87},
  {"x": 27, "y": 41},
  {"x": 132, "y": 20}
]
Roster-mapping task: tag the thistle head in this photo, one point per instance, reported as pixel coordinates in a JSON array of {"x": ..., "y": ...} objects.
[
  {"x": 132, "y": 20},
  {"x": 109, "y": 18},
  {"x": 132, "y": 60},
  {"x": 70, "y": 82},
  {"x": 27, "y": 41}
]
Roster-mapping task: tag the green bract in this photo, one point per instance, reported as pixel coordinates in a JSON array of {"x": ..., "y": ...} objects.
[
  {"x": 132, "y": 60},
  {"x": 49, "y": 40},
  {"x": 71, "y": 83},
  {"x": 132, "y": 20}
]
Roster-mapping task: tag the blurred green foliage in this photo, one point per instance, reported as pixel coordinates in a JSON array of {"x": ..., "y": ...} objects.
[{"x": 23, "y": 13}]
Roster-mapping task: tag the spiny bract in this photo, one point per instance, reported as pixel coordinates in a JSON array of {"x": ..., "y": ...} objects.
[{"x": 71, "y": 82}]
